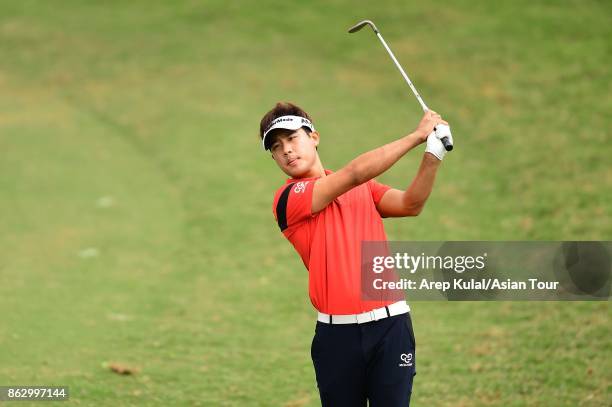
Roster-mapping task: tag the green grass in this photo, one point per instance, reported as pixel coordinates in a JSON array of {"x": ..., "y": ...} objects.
[{"x": 136, "y": 203}]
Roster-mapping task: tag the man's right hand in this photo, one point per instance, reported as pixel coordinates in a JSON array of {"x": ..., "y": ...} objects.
[
  {"x": 426, "y": 125},
  {"x": 371, "y": 164}
]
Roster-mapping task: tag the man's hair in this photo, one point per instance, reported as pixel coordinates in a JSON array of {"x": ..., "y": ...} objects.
[{"x": 281, "y": 109}]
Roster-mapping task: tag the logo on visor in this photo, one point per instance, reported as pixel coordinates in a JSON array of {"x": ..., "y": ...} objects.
[
  {"x": 282, "y": 119},
  {"x": 279, "y": 120}
]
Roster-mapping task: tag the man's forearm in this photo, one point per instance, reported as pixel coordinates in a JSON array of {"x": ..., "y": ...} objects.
[
  {"x": 417, "y": 193},
  {"x": 373, "y": 163}
]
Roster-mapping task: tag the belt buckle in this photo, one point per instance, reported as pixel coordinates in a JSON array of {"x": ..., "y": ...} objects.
[
  {"x": 367, "y": 316},
  {"x": 362, "y": 318}
]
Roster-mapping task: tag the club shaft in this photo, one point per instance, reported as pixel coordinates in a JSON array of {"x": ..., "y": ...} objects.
[{"x": 416, "y": 93}]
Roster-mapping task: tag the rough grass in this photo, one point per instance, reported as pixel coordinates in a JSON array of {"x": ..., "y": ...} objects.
[{"x": 136, "y": 203}]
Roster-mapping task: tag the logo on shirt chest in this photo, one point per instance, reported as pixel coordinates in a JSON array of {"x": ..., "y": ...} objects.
[{"x": 300, "y": 187}]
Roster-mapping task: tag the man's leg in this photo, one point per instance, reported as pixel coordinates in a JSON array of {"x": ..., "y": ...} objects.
[
  {"x": 339, "y": 365},
  {"x": 392, "y": 362}
]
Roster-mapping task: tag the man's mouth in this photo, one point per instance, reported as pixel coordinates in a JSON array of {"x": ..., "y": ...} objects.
[{"x": 292, "y": 161}]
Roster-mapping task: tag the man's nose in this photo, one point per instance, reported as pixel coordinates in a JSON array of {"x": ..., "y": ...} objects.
[{"x": 287, "y": 148}]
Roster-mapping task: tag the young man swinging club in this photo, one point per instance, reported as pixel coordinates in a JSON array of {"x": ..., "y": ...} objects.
[{"x": 362, "y": 350}]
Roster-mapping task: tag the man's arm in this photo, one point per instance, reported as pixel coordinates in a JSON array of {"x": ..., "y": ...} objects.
[
  {"x": 397, "y": 203},
  {"x": 371, "y": 164}
]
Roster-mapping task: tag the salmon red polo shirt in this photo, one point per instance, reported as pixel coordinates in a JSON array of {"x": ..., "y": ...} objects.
[{"x": 329, "y": 241}]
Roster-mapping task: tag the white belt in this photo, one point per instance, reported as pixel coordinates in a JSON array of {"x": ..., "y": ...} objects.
[{"x": 390, "y": 310}]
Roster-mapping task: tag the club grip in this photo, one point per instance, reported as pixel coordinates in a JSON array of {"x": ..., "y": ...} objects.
[
  {"x": 443, "y": 132},
  {"x": 446, "y": 143}
]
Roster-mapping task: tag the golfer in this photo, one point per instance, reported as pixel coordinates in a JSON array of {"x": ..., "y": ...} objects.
[{"x": 362, "y": 350}]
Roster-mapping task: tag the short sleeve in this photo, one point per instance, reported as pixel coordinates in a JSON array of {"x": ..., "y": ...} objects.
[
  {"x": 294, "y": 204},
  {"x": 378, "y": 190}
]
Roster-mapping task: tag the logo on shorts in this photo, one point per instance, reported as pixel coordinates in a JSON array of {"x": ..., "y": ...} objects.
[
  {"x": 300, "y": 187},
  {"x": 407, "y": 359}
]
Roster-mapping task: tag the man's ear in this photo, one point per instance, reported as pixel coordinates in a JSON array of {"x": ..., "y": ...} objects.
[{"x": 315, "y": 136}]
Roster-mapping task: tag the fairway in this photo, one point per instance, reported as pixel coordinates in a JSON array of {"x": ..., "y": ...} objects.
[{"x": 136, "y": 200}]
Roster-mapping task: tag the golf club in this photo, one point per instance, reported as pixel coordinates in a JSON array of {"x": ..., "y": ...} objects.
[{"x": 441, "y": 130}]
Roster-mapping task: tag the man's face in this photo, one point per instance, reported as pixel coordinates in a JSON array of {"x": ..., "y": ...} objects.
[{"x": 295, "y": 152}]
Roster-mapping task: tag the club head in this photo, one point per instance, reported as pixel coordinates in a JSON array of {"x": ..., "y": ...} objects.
[{"x": 362, "y": 24}]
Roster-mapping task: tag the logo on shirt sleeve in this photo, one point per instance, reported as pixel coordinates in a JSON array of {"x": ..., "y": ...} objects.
[{"x": 300, "y": 187}]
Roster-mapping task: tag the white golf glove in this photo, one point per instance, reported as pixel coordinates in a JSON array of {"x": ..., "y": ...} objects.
[{"x": 434, "y": 145}]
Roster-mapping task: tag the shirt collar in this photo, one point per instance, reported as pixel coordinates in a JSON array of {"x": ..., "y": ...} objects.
[{"x": 289, "y": 180}]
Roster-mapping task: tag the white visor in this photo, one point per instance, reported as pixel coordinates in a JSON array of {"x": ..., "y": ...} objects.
[{"x": 289, "y": 123}]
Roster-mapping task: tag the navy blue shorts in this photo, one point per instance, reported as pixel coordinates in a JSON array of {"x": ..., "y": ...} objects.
[{"x": 374, "y": 361}]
